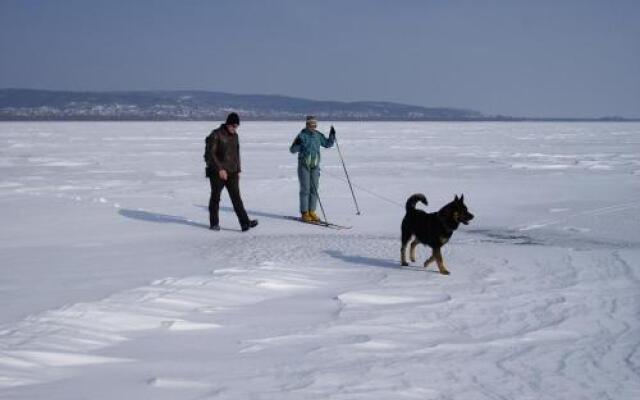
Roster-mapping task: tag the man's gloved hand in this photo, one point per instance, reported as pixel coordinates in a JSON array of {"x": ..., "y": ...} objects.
[
  {"x": 298, "y": 141},
  {"x": 332, "y": 132}
]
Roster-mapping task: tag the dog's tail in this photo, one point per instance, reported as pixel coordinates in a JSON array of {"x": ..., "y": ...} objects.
[{"x": 414, "y": 199}]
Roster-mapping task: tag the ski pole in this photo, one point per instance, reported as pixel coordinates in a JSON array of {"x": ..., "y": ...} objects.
[
  {"x": 347, "y": 174},
  {"x": 315, "y": 191}
]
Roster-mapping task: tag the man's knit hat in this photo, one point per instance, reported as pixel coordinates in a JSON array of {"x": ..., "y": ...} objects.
[{"x": 233, "y": 119}]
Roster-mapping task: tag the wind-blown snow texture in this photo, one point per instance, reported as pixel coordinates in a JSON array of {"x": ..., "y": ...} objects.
[{"x": 111, "y": 287}]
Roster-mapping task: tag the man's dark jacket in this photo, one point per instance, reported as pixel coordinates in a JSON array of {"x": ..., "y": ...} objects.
[{"x": 222, "y": 152}]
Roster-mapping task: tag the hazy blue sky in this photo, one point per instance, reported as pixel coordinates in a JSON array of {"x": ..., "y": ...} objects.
[{"x": 528, "y": 58}]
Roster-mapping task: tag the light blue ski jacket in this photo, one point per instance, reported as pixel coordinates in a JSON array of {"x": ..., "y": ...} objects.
[{"x": 308, "y": 147}]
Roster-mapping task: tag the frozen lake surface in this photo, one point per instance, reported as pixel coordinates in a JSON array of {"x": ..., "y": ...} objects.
[{"x": 111, "y": 285}]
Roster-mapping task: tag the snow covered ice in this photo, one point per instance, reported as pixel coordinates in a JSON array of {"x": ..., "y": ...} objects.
[{"x": 112, "y": 287}]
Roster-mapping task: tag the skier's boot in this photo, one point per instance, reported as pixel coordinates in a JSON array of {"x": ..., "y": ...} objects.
[
  {"x": 306, "y": 217},
  {"x": 313, "y": 216}
]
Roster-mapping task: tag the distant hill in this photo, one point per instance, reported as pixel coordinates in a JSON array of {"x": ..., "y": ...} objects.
[{"x": 28, "y": 104}]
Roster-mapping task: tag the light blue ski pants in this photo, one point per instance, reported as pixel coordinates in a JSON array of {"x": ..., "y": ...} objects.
[{"x": 309, "y": 182}]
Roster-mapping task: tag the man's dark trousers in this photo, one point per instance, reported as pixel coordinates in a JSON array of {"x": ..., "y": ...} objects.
[{"x": 233, "y": 188}]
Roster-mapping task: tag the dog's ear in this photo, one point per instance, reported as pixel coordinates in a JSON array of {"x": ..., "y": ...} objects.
[
  {"x": 462, "y": 197},
  {"x": 456, "y": 199}
]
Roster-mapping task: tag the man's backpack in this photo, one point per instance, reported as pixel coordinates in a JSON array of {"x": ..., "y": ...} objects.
[{"x": 208, "y": 142}]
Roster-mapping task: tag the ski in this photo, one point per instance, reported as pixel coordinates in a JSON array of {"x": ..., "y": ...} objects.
[{"x": 319, "y": 223}]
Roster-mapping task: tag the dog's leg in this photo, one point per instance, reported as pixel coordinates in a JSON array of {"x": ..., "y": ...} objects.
[
  {"x": 403, "y": 252},
  {"x": 412, "y": 249},
  {"x": 406, "y": 236},
  {"x": 430, "y": 259},
  {"x": 440, "y": 262}
]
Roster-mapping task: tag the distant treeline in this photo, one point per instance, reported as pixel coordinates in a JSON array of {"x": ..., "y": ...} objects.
[{"x": 47, "y": 105}]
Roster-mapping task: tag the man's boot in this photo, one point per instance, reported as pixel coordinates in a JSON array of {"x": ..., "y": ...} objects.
[{"x": 252, "y": 224}]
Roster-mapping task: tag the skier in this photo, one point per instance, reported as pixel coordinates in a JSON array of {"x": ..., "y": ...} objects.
[
  {"x": 307, "y": 145},
  {"x": 222, "y": 155}
]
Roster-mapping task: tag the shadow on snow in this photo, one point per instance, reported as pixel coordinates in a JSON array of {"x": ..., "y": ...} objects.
[
  {"x": 250, "y": 212},
  {"x": 159, "y": 218},
  {"x": 372, "y": 262}
]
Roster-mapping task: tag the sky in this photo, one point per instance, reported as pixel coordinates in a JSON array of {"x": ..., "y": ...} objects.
[{"x": 540, "y": 58}]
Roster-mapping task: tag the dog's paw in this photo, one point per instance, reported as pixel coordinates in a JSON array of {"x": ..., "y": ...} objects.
[
  {"x": 444, "y": 272},
  {"x": 404, "y": 264}
]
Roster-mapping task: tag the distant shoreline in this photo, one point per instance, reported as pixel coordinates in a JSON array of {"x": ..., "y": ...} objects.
[{"x": 196, "y": 105}]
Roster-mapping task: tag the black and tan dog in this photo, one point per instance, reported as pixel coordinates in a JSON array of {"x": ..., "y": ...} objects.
[{"x": 431, "y": 229}]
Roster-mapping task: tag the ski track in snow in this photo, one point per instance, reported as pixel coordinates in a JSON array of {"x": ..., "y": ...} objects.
[{"x": 527, "y": 313}]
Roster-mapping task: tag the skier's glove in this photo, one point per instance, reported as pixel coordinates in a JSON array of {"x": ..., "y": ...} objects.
[
  {"x": 332, "y": 132},
  {"x": 298, "y": 141}
]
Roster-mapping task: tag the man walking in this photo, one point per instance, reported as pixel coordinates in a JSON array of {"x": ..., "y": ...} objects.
[
  {"x": 222, "y": 155},
  {"x": 307, "y": 145}
]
